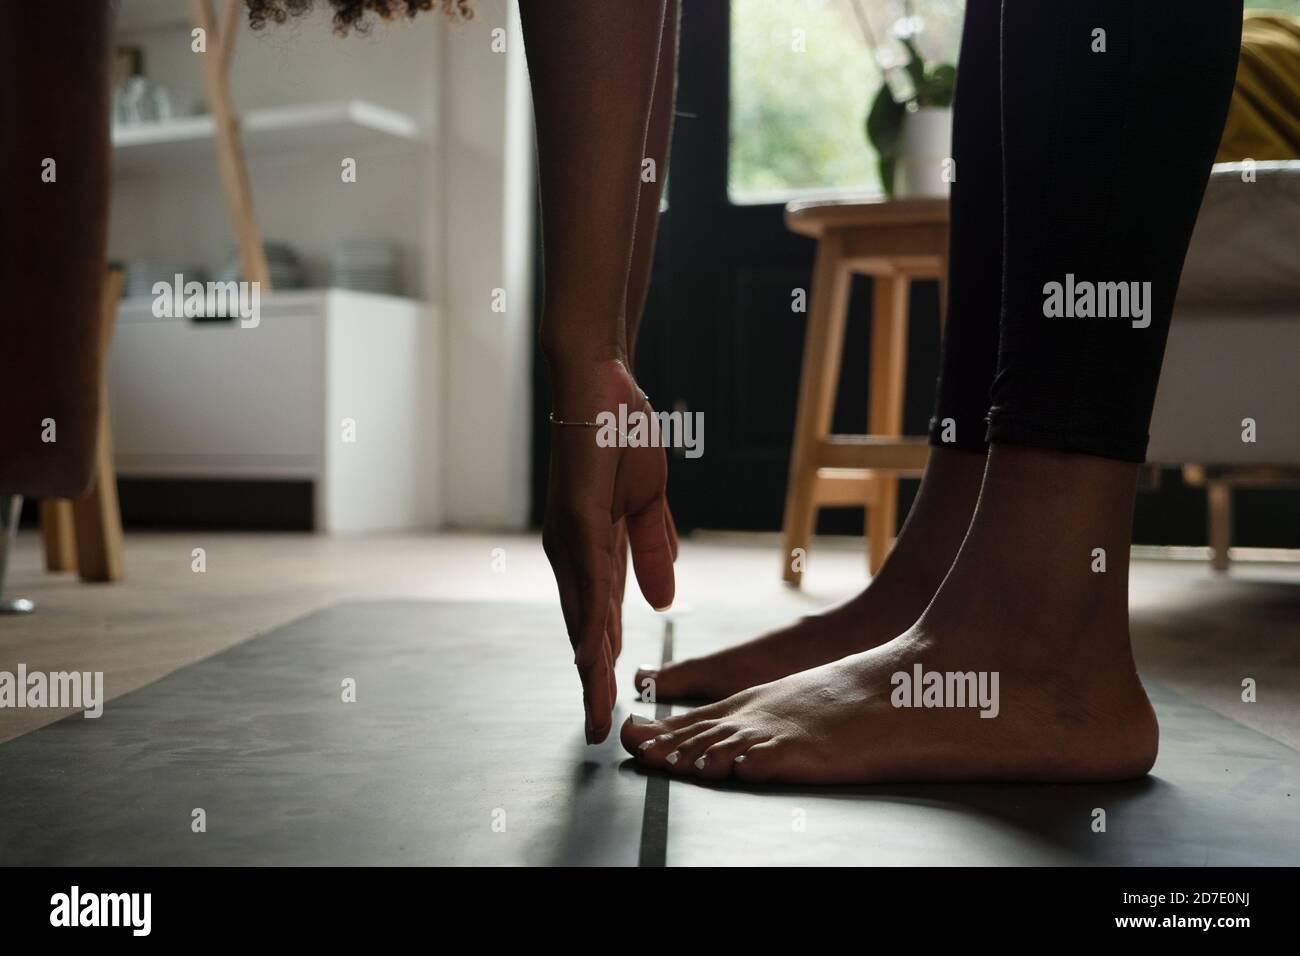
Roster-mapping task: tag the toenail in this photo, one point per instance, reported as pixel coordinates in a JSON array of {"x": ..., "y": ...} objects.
[
  {"x": 740, "y": 759},
  {"x": 672, "y": 757},
  {"x": 647, "y": 745},
  {"x": 699, "y": 763}
]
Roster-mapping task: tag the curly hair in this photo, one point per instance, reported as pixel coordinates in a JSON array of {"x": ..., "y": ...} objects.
[{"x": 353, "y": 14}]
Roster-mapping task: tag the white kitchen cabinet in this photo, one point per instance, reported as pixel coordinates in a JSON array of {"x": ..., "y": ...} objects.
[{"x": 336, "y": 387}]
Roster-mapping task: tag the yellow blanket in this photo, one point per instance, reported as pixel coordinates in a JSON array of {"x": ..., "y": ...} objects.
[{"x": 1264, "y": 118}]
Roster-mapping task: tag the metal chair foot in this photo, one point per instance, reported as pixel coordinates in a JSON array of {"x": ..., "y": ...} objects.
[{"x": 11, "y": 506}]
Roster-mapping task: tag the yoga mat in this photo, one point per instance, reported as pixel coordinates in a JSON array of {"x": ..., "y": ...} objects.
[{"x": 464, "y": 746}]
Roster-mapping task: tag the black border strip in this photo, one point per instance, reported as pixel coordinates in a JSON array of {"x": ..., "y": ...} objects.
[{"x": 654, "y": 818}]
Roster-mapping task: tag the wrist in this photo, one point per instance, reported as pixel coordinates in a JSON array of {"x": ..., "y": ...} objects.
[
  {"x": 582, "y": 388},
  {"x": 566, "y": 355}
]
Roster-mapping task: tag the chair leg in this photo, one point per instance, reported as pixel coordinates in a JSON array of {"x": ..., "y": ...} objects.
[
  {"x": 98, "y": 519},
  {"x": 1218, "y": 496},
  {"x": 888, "y": 372},
  {"x": 58, "y": 535},
  {"x": 11, "y": 506},
  {"x": 818, "y": 382}
]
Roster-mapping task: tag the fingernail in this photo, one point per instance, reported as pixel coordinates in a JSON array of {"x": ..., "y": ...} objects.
[
  {"x": 665, "y": 607},
  {"x": 639, "y": 721},
  {"x": 740, "y": 759},
  {"x": 665, "y": 737},
  {"x": 647, "y": 745},
  {"x": 651, "y": 670},
  {"x": 699, "y": 764},
  {"x": 672, "y": 757}
]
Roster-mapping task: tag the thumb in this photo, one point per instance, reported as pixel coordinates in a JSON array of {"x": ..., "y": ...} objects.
[{"x": 652, "y": 554}]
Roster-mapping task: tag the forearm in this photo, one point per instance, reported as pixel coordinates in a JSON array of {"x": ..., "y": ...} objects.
[
  {"x": 592, "y": 67},
  {"x": 657, "y": 147}
]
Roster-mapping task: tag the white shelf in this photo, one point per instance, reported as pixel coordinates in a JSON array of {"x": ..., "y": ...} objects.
[
  {"x": 177, "y": 144},
  {"x": 136, "y": 15}
]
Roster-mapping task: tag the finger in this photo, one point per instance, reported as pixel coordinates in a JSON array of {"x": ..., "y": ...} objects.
[
  {"x": 566, "y": 584},
  {"x": 615, "y": 627},
  {"x": 598, "y": 695},
  {"x": 594, "y": 573},
  {"x": 672, "y": 529},
  {"x": 652, "y": 555},
  {"x": 613, "y": 688},
  {"x": 593, "y": 655}
]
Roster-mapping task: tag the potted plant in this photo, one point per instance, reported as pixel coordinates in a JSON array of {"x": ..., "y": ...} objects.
[{"x": 910, "y": 120}]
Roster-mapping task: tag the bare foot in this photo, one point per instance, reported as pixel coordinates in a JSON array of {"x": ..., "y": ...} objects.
[
  {"x": 1024, "y": 602},
  {"x": 891, "y": 603}
]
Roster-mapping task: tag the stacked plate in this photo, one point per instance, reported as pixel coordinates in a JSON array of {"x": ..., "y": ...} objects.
[
  {"x": 141, "y": 274},
  {"x": 366, "y": 265},
  {"x": 282, "y": 266}
]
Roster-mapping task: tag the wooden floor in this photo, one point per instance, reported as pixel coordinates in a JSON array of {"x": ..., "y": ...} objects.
[{"x": 1198, "y": 633}]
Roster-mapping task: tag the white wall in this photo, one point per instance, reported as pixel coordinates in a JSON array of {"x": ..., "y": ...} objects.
[{"x": 488, "y": 176}]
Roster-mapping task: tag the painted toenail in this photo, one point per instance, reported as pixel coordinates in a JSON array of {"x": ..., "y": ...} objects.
[
  {"x": 647, "y": 745},
  {"x": 740, "y": 759},
  {"x": 699, "y": 763},
  {"x": 672, "y": 757}
]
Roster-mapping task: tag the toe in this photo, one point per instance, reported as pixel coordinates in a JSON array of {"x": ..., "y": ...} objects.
[
  {"x": 719, "y": 760},
  {"x": 757, "y": 763},
  {"x": 664, "y": 749},
  {"x": 666, "y": 682},
  {"x": 691, "y": 749},
  {"x": 636, "y": 731}
]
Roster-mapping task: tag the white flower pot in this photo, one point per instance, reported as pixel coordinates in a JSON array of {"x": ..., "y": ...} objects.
[{"x": 924, "y": 167}]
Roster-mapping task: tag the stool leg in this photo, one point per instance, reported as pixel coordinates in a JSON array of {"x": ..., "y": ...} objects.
[
  {"x": 1218, "y": 496},
  {"x": 818, "y": 382},
  {"x": 885, "y": 402},
  {"x": 11, "y": 506}
]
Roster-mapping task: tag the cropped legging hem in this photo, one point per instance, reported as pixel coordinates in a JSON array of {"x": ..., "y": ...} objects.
[
  {"x": 1006, "y": 429},
  {"x": 1010, "y": 429}
]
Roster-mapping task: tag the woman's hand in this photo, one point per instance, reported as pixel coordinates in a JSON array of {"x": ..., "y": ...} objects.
[{"x": 591, "y": 491}]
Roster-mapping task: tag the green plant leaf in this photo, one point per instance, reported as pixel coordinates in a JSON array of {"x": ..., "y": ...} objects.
[
  {"x": 937, "y": 89},
  {"x": 884, "y": 129}
]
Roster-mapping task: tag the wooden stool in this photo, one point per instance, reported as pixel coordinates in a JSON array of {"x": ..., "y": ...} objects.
[{"x": 894, "y": 242}]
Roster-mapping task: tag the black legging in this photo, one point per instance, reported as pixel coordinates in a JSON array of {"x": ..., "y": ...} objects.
[{"x": 1073, "y": 162}]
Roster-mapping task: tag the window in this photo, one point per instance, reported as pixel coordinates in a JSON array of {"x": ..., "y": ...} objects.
[{"x": 802, "y": 78}]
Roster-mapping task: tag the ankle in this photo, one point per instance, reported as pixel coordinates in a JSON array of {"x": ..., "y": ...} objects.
[{"x": 936, "y": 524}]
